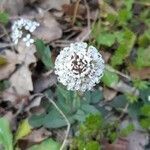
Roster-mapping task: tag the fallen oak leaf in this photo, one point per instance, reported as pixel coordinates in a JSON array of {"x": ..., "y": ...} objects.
[
  {"x": 10, "y": 6},
  {"x": 109, "y": 94},
  {"x": 49, "y": 28},
  {"x": 39, "y": 135},
  {"x": 120, "y": 144},
  {"x": 142, "y": 73},
  {"x": 21, "y": 81},
  {"x": 51, "y": 4},
  {"x": 137, "y": 140},
  {"x": 7, "y": 69},
  {"x": 44, "y": 81},
  {"x": 26, "y": 54}
]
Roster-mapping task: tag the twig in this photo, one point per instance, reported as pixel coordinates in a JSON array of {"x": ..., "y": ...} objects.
[
  {"x": 3, "y": 45},
  {"x": 142, "y": 3},
  {"x": 88, "y": 21},
  {"x": 75, "y": 12},
  {"x": 63, "y": 115},
  {"x": 88, "y": 14},
  {"x": 117, "y": 72}
]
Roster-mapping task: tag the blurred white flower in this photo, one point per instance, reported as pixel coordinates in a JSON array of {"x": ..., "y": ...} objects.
[
  {"x": 79, "y": 67},
  {"x": 22, "y": 29},
  {"x": 28, "y": 40},
  {"x": 149, "y": 98}
]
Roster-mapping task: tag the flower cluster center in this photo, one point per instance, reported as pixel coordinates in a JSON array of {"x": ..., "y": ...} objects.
[{"x": 78, "y": 64}]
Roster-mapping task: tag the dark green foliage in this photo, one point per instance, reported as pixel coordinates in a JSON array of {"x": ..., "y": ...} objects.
[
  {"x": 110, "y": 79},
  {"x": 44, "y": 54},
  {"x": 4, "y": 84},
  {"x": 145, "y": 116},
  {"x": 94, "y": 130},
  {"x": 4, "y": 17},
  {"x": 75, "y": 106}
]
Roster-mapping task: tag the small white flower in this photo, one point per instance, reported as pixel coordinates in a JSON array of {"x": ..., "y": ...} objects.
[
  {"x": 149, "y": 98},
  {"x": 22, "y": 29},
  {"x": 79, "y": 67},
  {"x": 28, "y": 40}
]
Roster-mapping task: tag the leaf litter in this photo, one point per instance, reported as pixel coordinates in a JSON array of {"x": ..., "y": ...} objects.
[{"x": 102, "y": 24}]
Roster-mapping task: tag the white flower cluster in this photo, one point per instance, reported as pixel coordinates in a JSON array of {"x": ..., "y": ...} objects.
[
  {"x": 22, "y": 29},
  {"x": 79, "y": 67}
]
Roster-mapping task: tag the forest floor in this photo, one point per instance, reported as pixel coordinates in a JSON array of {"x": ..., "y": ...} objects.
[{"x": 38, "y": 112}]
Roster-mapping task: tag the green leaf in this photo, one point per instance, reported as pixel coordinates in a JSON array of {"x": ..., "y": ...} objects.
[
  {"x": 80, "y": 115},
  {"x": 89, "y": 109},
  {"x": 144, "y": 39},
  {"x": 128, "y": 4},
  {"x": 144, "y": 95},
  {"x": 55, "y": 120},
  {"x": 4, "y": 84},
  {"x": 48, "y": 144},
  {"x": 6, "y": 138},
  {"x": 124, "y": 16},
  {"x": 68, "y": 95},
  {"x": 93, "y": 145},
  {"x": 145, "y": 110},
  {"x": 127, "y": 130},
  {"x": 145, "y": 116},
  {"x": 119, "y": 36},
  {"x": 119, "y": 102},
  {"x": 134, "y": 110},
  {"x": 145, "y": 123},
  {"x": 110, "y": 78},
  {"x": 4, "y": 17},
  {"x": 93, "y": 96},
  {"x": 143, "y": 58},
  {"x": 23, "y": 130},
  {"x": 140, "y": 84},
  {"x": 124, "y": 48},
  {"x": 105, "y": 38},
  {"x": 111, "y": 18},
  {"x": 37, "y": 120},
  {"x": 131, "y": 98},
  {"x": 44, "y": 54}
]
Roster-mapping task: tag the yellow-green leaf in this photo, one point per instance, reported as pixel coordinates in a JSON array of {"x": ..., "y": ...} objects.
[
  {"x": 23, "y": 130},
  {"x": 110, "y": 78},
  {"x": 3, "y": 60}
]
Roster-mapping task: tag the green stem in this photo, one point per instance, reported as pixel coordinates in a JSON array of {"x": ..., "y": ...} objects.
[{"x": 77, "y": 100}]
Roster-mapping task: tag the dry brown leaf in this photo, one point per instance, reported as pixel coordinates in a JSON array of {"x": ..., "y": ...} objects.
[
  {"x": 21, "y": 81},
  {"x": 120, "y": 144},
  {"x": 137, "y": 140},
  {"x": 35, "y": 102},
  {"x": 70, "y": 9},
  {"x": 84, "y": 35},
  {"x": 106, "y": 55},
  {"x": 44, "y": 81},
  {"x": 109, "y": 94},
  {"x": 26, "y": 54},
  {"x": 38, "y": 135},
  {"x": 49, "y": 29},
  {"x": 34, "y": 107},
  {"x": 6, "y": 70},
  {"x": 10, "y": 6},
  {"x": 143, "y": 73},
  {"x": 53, "y": 4}
]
